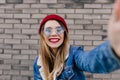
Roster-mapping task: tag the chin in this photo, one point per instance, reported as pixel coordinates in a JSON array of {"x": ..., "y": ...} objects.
[{"x": 54, "y": 46}]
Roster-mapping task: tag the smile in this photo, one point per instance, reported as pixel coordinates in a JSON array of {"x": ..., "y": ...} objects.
[{"x": 54, "y": 40}]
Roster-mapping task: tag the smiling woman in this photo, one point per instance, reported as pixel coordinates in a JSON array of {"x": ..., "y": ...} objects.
[
  {"x": 54, "y": 50},
  {"x": 58, "y": 60}
]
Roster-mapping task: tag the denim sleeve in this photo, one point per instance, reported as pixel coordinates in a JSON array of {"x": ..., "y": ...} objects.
[
  {"x": 36, "y": 73},
  {"x": 99, "y": 60}
]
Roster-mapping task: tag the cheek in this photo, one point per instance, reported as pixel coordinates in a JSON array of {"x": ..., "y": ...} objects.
[
  {"x": 62, "y": 37},
  {"x": 46, "y": 39}
]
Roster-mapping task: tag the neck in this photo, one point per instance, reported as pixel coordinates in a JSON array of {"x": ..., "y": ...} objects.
[{"x": 55, "y": 50}]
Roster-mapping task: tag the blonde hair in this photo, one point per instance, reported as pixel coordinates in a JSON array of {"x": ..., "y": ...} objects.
[{"x": 52, "y": 62}]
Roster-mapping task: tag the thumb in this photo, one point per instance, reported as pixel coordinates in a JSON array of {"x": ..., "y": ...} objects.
[{"x": 116, "y": 10}]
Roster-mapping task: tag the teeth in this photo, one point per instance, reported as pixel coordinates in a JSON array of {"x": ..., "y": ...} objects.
[{"x": 54, "y": 40}]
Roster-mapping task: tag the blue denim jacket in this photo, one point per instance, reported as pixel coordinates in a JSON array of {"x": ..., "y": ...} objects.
[{"x": 99, "y": 60}]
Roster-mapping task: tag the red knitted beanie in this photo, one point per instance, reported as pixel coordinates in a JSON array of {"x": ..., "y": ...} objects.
[{"x": 53, "y": 17}]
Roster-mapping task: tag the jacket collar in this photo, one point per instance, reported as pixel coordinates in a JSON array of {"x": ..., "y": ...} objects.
[{"x": 41, "y": 69}]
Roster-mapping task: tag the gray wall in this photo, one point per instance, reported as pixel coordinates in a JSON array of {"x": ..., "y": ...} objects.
[{"x": 19, "y": 40}]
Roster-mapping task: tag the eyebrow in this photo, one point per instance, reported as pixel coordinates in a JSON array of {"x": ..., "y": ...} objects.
[{"x": 47, "y": 27}]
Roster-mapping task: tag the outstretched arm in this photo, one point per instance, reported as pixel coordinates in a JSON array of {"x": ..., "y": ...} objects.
[{"x": 99, "y": 60}]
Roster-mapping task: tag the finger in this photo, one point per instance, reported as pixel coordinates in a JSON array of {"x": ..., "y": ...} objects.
[{"x": 117, "y": 10}]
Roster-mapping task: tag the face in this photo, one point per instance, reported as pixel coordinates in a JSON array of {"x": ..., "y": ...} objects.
[{"x": 53, "y": 34}]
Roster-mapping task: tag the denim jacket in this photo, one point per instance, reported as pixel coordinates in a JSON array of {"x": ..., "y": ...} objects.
[{"x": 99, "y": 60}]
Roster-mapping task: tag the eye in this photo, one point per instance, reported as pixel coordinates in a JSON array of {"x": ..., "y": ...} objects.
[
  {"x": 59, "y": 29},
  {"x": 47, "y": 31}
]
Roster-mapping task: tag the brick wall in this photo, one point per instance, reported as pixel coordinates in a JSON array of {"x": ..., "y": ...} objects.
[{"x": 19, "y": 21}]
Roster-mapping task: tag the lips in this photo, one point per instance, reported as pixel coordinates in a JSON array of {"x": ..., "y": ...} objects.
[{"x": 54, "y": 40}]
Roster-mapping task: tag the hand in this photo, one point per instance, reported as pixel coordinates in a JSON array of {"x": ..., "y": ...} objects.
[{"x": 114, "y": 28}]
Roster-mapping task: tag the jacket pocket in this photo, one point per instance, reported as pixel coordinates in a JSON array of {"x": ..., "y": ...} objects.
[{"x": 67, "y": 74}]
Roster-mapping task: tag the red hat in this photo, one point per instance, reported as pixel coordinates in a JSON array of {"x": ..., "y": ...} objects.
[{"x": 53, "y": 17}]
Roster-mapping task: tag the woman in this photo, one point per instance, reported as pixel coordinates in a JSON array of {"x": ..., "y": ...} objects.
[{"x": 60, "y": 61}]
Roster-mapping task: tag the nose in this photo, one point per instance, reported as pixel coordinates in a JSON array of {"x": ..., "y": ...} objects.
[{"x": 53, "y": 32}]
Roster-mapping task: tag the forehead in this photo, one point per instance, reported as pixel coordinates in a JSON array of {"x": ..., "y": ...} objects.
[{"x": 51, "y": 23}]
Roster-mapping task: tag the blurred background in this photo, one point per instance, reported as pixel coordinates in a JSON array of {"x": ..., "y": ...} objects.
[{"x": 19, "y": 40}]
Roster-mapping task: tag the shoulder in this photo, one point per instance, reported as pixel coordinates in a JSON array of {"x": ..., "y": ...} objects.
[
  {"x": 37, "y": 61},
  {"x": 36, "y": 66},
  {"x": 75, "y": 47}
]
